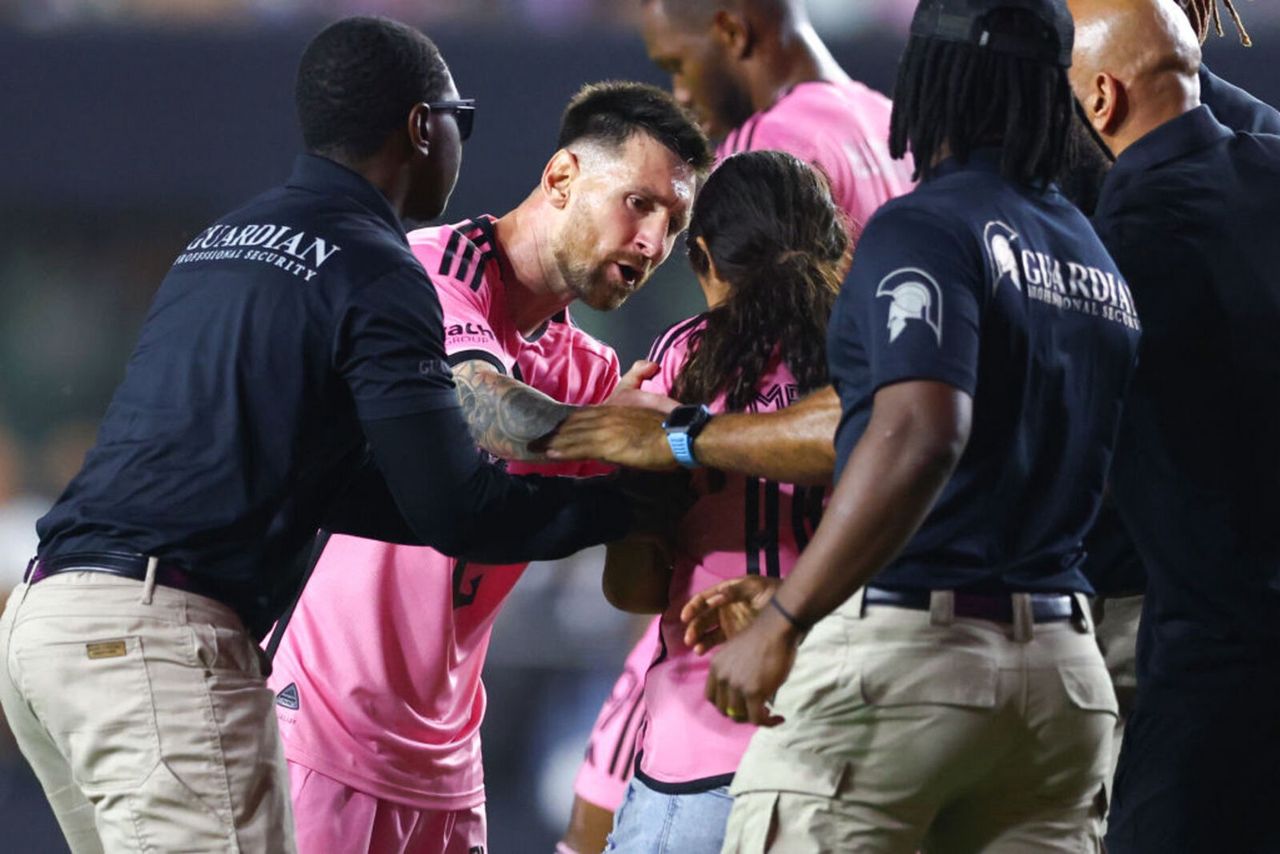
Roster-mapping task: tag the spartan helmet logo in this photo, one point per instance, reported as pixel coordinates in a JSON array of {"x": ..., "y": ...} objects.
[
  {"x": 1003, "y": 250},
  {"x": 916, "y": 296}
]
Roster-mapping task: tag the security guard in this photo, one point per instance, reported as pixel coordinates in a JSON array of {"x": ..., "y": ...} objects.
[
  {"x": 1113, "y": 567},
  {"x": 980, "y": 347},
  {"x": 1189, "y": 211},
  {"x": 284, "y": 336}
]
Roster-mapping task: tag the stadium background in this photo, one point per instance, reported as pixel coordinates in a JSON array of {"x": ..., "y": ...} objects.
[{"x": 128, "y": 124}]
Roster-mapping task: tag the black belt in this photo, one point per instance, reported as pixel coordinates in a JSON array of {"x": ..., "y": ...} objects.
[
  {"x": 123, "y": 565},
  {"x": 998, "y": 607}
]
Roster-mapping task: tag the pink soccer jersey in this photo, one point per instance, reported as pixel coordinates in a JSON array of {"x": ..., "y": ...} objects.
[
  {"x": 843, "y": 129},
  {"x": 378, "y": 676},
  {"x": 738, "y": 526},
  {"x": 611, "y": 751}
]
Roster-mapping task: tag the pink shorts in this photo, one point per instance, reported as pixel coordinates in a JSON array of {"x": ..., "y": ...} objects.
[{"x": 330, "y": 816}]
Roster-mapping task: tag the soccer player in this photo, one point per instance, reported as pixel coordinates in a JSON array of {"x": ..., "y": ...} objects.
[
  {"x": 757, "y": 76},
  {"x": 285, "y": 337},
  {"x": 378, "y": 678},
  {"x": 1189, "y": 211},
  {"x": 769, "y": 246},
  {"x": 949, "y": 694}
]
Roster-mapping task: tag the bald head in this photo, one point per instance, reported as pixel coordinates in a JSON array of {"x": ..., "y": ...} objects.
[
  {"x": 1134, "y": 66},
  {"x": 1133, "y": 39}
]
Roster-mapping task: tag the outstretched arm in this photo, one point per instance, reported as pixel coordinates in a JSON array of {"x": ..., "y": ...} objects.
[
  {"x": 503, "y": 414},
  {"x": 792, "y": 445},
  {"x": 506, "y": 416}
]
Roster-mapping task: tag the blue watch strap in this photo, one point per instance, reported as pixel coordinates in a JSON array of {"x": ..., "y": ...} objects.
[{"x": 682, "y": 448}]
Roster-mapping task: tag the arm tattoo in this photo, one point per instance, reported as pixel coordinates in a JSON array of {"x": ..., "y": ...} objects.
[{"x": 504, "y": 414}]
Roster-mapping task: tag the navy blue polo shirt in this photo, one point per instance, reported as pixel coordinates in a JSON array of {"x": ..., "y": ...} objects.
[
  {"x": 1190, "y": 213},
  {"x": 1006, "y": 294},
  {"x": 277, "y": 330}
]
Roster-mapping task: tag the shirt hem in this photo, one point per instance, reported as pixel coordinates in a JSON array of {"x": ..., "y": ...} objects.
[
  {"x": 686, "y": 787},
  {"x": 380, "y": 789}
]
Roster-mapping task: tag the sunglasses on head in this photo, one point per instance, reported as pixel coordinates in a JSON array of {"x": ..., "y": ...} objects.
[{"x": 464, "y": 112}]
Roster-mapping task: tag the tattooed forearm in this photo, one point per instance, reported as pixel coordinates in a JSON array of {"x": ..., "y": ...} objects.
[{"x": 504, "y": 414}]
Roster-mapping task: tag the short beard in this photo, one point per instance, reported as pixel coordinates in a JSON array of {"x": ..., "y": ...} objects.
[
  {"x": 732, "y": 106},
  {"x": 588, "y": 284}
]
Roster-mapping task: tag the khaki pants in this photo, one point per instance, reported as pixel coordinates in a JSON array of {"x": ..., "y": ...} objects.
[
  {"x": 145, "y": 715},
  {"x": 909, "y": 730},
  {"x": 1117, "y": 620}
]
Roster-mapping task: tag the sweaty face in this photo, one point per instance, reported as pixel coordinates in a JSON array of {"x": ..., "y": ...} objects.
[
  {"x": 625, "y": 208},
  {"x": 435, "y": 174},
  {"x": 702, "y": 76}
]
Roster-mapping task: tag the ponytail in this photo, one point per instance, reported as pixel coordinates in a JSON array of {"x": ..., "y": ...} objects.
[{"x": 776, "y": 237}]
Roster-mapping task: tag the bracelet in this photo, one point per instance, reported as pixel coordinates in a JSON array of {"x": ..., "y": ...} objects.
[{"x": 790, "y": 617}]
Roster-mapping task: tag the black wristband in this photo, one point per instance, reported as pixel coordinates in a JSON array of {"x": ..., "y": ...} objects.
[{"x": 790, "y": 617}]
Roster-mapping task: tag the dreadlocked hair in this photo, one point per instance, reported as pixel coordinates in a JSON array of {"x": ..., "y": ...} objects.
[
  {"x": 777, "y": 239},
  {"x": 1206, "y": 13},
  {"x": 964, "y": 97}
]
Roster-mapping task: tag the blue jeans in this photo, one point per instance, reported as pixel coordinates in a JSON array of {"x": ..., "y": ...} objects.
[{"x": 650, "y": 822}]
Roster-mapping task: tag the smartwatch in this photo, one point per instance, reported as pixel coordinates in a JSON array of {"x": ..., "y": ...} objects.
[{"x": 683, "y": 426}]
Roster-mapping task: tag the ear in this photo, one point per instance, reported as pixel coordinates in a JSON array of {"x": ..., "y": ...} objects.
[
  {"x": 419, "y": 127},
  {"x": 715, "y": 289},
  {"x": 557, "y": 176},
  {"x": 1108, "y": 104},
  {"x": 706, "y": 253},
  {"x": 733, "y": 33}
]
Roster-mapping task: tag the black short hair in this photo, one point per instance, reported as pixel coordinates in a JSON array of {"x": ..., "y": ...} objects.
[
  {"x": 688, "y": 14},
  {"x": 697, "y": 14},
  {"x": 966, "y": 97},
  {"x": 357, "y": 81},
  {"x": 614, "y": 111}
]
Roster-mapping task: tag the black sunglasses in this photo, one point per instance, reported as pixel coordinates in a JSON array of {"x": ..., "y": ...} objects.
[{"x": 464, "y": 112}]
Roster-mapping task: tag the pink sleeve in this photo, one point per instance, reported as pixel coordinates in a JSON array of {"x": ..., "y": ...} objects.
[{"x": 468, "y": 331}]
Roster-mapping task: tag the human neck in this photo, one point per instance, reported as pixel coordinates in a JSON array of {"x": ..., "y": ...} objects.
[
  {"x": 1162, "y": 100},
  {"x": 385, "y": 169},
  {"x": 529, "y": 274},
  {"x": 796, "y": 56}
]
